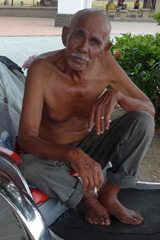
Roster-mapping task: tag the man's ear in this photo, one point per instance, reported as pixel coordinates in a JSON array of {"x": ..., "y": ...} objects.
[
  {"x": 106, "y": 49},
  {"x": 65, "y": 31},
  {"x": 108, "y": 46}
]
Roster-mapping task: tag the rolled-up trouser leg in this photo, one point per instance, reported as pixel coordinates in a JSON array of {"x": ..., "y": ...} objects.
[
  {"x": 52, "y": 177},
  {"x": 136, "y": 130}
]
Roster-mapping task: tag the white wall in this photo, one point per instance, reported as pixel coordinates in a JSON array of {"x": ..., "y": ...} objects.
[
  {"x": 157, "y": 6},
  {"x": 87, "y": 3},
  {"x": 69, "y": 6},
  {"x": 72, "y": 6}
]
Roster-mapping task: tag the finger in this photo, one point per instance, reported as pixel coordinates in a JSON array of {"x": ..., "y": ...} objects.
[
  {"x": 108, "y": 116},
  {"x": 91, "y": 120},
  {"x": 91, "y": 185},
  {"x": 98, "y": 177},
  {"x": 98, "y": 122},
  {"x": 84, "y": 183},
  {"x": 102, "y": 123},
  {"x": 101, "y": 179},
  {"x": 107, "y": 123},
  {"x": 96, "y": 180}
]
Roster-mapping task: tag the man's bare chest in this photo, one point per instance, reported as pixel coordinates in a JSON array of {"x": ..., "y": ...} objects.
[{"x": 67, "y": 102}]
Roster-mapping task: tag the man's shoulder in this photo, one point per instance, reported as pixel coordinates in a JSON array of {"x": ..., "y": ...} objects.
[
  {"x": 39, "y": 65},
  {"x": 44, "y": 68},
  {"x": 111, "y": 68},
  {"x": 109, "y": 61},
  {"x": 53, "y": 55},
  {"x": 49, "y": 60},
  {"x": 46, "y": 61}
]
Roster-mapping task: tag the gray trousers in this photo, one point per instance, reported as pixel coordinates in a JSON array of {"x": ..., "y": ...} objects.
[{"x": 124, "y": 144}]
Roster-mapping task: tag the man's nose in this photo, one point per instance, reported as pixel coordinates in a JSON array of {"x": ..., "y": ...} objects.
[{"x": 84, "y": 46}]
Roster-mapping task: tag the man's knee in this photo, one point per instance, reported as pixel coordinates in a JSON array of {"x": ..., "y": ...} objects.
[
  {"x": 30, "y": 169},
  {"x": 144, "y": 122}
]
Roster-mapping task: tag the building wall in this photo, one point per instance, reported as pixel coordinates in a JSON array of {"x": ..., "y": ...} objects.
[{"x": 39, "y": 12}]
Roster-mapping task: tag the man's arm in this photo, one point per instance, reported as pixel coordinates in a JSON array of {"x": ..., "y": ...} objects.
[
  {"x": 28, "y": 137},
  {"x": 131, "y": 97},
  {"x": 124, "y": 92}
]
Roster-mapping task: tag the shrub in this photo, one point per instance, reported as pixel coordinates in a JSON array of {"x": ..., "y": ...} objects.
[
  {"x": 140, "y": 58},
  {"x": 156, "y": 16}
]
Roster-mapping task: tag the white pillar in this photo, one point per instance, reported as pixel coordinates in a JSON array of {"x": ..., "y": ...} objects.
[
  {"x": 157, "y": 8},
  {"x": 72, "y": 6},
  {"x": 87, "y": 3}
]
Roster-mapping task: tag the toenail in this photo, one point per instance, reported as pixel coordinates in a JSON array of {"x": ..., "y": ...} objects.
[
  {"x": 90, "y": 221},
  {"x": 108, "y": 222}
]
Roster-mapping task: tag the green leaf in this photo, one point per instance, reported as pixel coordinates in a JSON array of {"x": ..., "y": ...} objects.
[{"x": 140, "y": 59}]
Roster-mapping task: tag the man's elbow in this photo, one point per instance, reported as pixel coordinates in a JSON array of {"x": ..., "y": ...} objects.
[
  {"x": 24, "y": 142},
  {"x": 152, "y": 110},
  {"x": 147, "y": 106}
]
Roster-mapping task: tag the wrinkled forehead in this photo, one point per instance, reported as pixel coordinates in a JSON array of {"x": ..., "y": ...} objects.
[{"x": 91, "y": 21}]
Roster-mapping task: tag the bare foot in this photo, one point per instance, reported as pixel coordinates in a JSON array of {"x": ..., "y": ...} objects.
[
  {"x": 95, "y": 213},
  {"x": 110, "y": 201}
]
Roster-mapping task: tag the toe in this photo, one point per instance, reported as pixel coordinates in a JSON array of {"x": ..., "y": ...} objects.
[
  {"x": 105, "y": 221},
  {"x": 89, "y": 220},
  {"x": 138, "y": 215},
  {"x": 138, "y": 218},
  {"x": 93, "y": 221},
  {"x": 108, "y": 221},
  {"x": 137, "y": 221}
]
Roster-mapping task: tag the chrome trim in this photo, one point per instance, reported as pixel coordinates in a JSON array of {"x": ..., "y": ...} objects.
[
  {"x": 9, "y": 167},
  {"x": 25, "y": 209},
  {"x": 14, "y": 189}
]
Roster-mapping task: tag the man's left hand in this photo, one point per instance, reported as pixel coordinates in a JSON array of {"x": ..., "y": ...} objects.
[{"x": 102, "y": 110}]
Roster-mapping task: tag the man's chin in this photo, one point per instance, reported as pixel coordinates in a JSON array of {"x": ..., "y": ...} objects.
[{"x": 78, "y": 67}]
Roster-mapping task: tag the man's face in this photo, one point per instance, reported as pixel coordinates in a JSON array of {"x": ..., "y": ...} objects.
[{"x": 86, "y": 42}]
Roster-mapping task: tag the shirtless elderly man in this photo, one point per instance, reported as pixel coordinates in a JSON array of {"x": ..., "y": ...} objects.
[{"x": 65, "y": 123}]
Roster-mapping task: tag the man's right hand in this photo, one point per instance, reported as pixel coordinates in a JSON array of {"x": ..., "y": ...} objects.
[{"x": 88, "y": 170}]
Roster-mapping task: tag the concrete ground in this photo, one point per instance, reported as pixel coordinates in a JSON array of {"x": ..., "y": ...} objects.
[
  {"x": 23, "y": 37},
  {"x": 17, "y": 26}
]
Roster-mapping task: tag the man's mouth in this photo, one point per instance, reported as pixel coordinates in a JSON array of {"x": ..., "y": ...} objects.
[{"x": 80, "y": 56}]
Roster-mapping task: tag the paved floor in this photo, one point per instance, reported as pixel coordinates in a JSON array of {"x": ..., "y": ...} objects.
[{"x": 17, "y": 26}]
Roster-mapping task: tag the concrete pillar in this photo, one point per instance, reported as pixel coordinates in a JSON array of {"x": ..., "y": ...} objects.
[
  {"x": 72, "y": 6},
  {"x": 87, "y": 4},
  {"x": 146, "y": 13},
  {"x": 67, "y": 8},
  {"x": 157, "y": 8},
  {"x": 123, "y": 14}
]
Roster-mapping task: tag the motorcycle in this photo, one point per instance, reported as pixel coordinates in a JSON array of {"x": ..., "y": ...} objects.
[{"x": 28, "y": 214}]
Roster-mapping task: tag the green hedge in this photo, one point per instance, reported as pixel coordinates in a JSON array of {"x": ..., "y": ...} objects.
[
  {"x": 157, "y": 17},
  {"x": 139, "y": 56}
]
